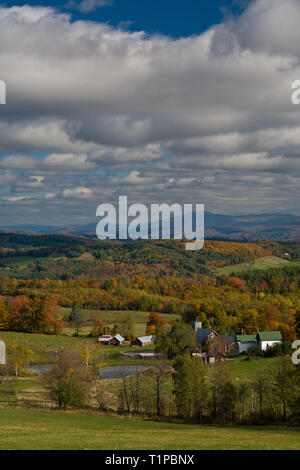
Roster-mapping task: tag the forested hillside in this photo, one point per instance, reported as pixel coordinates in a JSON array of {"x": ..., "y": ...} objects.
[
  {"x": 41, "y": 274},
  {"x": 63, "y": 257},
  {"x": 259, "y": 301}
]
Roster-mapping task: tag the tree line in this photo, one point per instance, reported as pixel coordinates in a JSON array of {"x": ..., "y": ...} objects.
[
  {"x": 228, "y": 305},
  {"x": 185, "y": 389}
]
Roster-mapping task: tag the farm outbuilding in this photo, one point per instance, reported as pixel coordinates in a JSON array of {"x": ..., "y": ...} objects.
[
  {"x": 267, "y": 339},
  {"x": 143, "y": 341},
  {"x": 230, "y": 343},
  {"x": 263, "y": 340},
  {"x": 209, "y": 358},
  {"x": 245, "y": 342},
  {"x": 117, "y": 340},
  {"x": 105, "y": 339}
]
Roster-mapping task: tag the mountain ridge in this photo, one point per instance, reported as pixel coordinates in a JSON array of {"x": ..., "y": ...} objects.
[{"x": 274, "y": 226}]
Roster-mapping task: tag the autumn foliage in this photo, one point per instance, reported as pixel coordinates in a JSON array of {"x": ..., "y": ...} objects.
[{"x": 30, "y": 315}]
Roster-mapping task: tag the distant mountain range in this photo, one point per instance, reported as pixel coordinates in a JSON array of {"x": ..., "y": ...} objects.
[{"x": 280, "y": 227}]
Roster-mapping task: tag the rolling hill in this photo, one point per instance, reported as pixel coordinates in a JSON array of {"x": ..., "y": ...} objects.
[
  {"x": 266, "y": 262},
  {"x": 279, "y": 227}
]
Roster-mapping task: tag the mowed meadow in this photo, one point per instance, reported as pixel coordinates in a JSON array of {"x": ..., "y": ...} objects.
[
  {"x": 44, "y": 430},
  {"x": 267, "y": 262},
  {"x": 45, "y": 346},
  {"x": 58, "y": 295}
]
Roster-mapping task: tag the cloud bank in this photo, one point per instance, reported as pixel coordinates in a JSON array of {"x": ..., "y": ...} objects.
[{"x": 95, "y": 111}]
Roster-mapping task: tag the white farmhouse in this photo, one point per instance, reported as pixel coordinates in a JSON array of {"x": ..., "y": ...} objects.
[
  {"x": 245, "y": 342},
  {"x": 267, "y": 339}
]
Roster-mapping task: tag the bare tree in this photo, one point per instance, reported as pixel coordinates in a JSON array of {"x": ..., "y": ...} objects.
[
  {"x": 260, "y": 385},
  {"x": 101, "y": 392},
  {"x": 69, "y": 380},
  {"x": 124, "y": 395},
  {"x": 135, "y": 381},
  {"x": 160, "y": 373}
]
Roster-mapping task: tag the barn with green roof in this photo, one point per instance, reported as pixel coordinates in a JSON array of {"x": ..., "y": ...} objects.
[
  {"x": 245, "y": 342},
  {"x": 267, "y": 339},
  {"x": 263, "y": 339}
]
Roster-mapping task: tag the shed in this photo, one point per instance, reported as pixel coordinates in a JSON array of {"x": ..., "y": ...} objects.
[
  {"x": 209, "y": 358},
  {"x": 143, "y": 341},
  {"x": 117, "y": 340},
  {"x": 105, "y": 339},
  {"x": 245, "y": 342}
]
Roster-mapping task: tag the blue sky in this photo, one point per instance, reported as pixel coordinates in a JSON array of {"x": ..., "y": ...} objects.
[{"x": 169, "y": 17}]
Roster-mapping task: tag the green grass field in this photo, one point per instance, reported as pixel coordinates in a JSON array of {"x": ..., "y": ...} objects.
[
  {"x": 266, "y": 262},
  {"x": 19, "y": 260},
  {"x": 53, "y": 430},
  {"x": 44, "y": 346},
  {"x": 9, "y": 389},
  {"x": 115, "y": 317},
  {"x": 240, "y": 370},
  {"x": 245, "y": 371}
]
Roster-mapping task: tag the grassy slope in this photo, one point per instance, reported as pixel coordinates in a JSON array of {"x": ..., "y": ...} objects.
[
  {"x": 245, "y": 371},
  {"x": 115, "y": 317},
  {"x": 262, "y": 263},
  {"x": 240, "y": 371},
  {"x": 44, "y": 346},
  {"x": 31, "y": 429}
]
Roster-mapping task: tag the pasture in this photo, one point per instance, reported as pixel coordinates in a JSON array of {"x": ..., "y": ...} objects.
[
  {"x": 267, "y": 262},
  {"x": 54, "y": 430},
  {"x": 44, "y": 347}
]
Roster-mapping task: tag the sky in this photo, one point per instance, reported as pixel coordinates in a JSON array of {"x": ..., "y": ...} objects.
[
  {"x": 162, "y": 101},
  {"x": 174, "y": 18}
]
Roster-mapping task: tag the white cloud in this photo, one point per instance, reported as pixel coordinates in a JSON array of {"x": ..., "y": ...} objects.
[
  {"x": 199, "y": 117},
  {"x": 53, "y": 162},
  {"x": 87, "y": 6},
  {"x": 77, "y": 193},
  {"x": 69, "y": 162},
  {"x": 135, "y": 178},
  {"x": 50, "y": 195},
  {"x": 16, "y": 198}
]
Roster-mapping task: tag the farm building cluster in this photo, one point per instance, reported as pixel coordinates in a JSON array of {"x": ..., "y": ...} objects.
[
  {"x": 214, "y": 346},
  {"x": 118, "y": 340}
]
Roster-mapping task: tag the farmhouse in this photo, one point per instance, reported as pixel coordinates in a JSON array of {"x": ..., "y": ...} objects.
[
  {"x": 143, "y": 341},
  {"x": 267, "y": 339},
  {"x": 245, "y": 342},
  {"x": 209, "y": 339}
]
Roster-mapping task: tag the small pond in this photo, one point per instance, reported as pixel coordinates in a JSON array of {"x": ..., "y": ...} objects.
[{"x": 112, "y": 372}]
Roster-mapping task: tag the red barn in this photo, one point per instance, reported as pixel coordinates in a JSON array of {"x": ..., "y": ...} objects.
[
  {"x": 117, "y": 340},
  {"x": 143, "y": 341},
  {"x": 105, "y": 339}
]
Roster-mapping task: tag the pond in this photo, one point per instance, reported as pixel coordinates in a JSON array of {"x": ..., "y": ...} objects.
[{"x": 112, "y": 372}]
